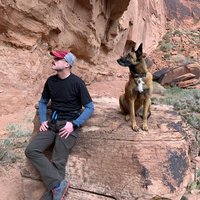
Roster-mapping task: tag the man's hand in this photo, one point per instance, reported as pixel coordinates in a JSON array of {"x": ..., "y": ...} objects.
[
  {"x": 66, "y": 130},
  {"x": 44, "y": 126}
]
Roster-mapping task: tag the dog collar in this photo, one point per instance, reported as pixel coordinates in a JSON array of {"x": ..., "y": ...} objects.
[{"x": 135, "y": 75}]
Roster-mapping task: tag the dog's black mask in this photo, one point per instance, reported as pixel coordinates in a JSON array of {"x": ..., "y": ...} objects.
[{"x": 126, "y": 63}]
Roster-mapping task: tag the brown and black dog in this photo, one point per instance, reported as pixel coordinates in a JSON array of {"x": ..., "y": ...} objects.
[{"x": 138, "y": 89}]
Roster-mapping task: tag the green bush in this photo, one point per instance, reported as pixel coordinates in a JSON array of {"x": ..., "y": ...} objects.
[
  {"x": 195, "y": 185},
  {"x": 16, "y": 130},
  {"x": 165, "y": 47},
  {"x": 166, "y": 56},
  {"x": 186, "y": 102},
  {"x": 184, "y": 198},
  {"x": 167, "y": 37},
  {"x": 178, "y": 32},
  {"x": 179, "y": 58}
]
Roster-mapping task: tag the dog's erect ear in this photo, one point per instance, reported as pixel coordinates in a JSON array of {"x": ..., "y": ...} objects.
[
  {"x": 139, "y": 52},
  {"x": 129, "y": 46},
  {"x": 133, "y": 49}
]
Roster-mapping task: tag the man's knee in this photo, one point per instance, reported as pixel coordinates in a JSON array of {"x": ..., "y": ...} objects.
[
  {"x": 27, "y": 151},
  {"x": 30, "y": 151}
]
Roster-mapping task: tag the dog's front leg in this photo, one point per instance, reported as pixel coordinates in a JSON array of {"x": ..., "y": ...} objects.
[
  {"x": 132, "y": 115},
  {"x": 146, "y": 106}
]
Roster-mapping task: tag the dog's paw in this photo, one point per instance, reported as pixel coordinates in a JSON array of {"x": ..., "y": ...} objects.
[
  {"x": 135, "y": 128},
  {"x": 127, "y": 117},
  {"x": 144, "y": 127}
]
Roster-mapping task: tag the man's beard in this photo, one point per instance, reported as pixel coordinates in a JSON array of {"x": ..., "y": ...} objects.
[{"x": 58, "y": 70}]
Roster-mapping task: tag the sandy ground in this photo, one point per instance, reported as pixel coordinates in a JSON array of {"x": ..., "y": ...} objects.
[{"x": 12, "y": 146}]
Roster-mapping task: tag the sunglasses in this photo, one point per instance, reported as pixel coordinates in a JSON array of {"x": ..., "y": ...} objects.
[{"x": 57, "y": 59}]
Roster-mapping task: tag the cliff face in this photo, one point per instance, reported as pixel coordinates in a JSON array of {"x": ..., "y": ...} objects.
[
  {"x": 183, "y": 9},
  {"x": 96, "y": 31},
  {"x": 87, "y": 27}
]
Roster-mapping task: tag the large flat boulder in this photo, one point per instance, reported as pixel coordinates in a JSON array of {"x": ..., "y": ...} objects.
[{"x": 111, "y": 161}]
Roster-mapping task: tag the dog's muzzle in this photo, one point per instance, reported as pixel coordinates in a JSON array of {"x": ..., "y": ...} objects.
[{"x": 124, "y": 62}]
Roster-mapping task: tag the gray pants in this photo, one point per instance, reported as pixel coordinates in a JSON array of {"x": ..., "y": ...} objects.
[{"x": 52, "y": 172}]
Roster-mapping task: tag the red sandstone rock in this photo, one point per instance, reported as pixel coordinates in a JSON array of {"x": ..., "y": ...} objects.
[{"x": 110, "y": 161}]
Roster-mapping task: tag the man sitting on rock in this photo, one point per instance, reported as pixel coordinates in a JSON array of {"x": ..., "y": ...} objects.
[{"x": 68, "y": 94}]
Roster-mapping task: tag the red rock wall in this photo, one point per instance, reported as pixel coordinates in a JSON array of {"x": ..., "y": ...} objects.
[
  {"x": 183, "y": 9},
  {"x": 96, "y": 31},
  {"x": 87, "y": 27}
]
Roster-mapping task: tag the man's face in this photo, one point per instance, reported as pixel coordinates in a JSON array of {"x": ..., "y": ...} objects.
[{"x": 59, "y": 64}]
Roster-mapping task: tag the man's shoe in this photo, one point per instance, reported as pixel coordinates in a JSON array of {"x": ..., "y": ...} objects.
[{"x": 60, "y": 191}]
